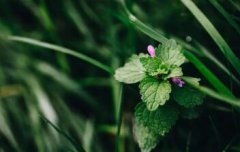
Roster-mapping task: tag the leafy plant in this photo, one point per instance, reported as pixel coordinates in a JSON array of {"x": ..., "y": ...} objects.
[{"x": 160, "y": 76}]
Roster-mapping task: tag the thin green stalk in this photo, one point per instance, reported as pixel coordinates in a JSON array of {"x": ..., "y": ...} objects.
[
  {"x": 189, "y": 139},
  {"x": 208, "y": 74},
  {"x": 78, "y": 20},
  {"x": 227, "y": 147},
  {"x": 225, "y": 14},
  {"x": 211, "y": 57},
  {"x": 230, "y": 100},
  {"x": 119, "y": 121},
  {"x": 203, "y": 52},
  {"x": 212, "y": 31},
  {"x": 62, "y": 50},
  {"x": 66, "y": 82},
  {"x": 73, "y": 142},
  {"x": 48, "y": 24},
  {"x": 235, "y": 5},
  {"x": 154, "y": 34}
]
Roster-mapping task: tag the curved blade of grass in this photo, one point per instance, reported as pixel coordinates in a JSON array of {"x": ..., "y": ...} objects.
[
  {"x": 147, "y": 30},
  {"x": 231, "y": 100},
  {"x": 41, "y": 12},
  {"x": 66, "y": 82},
  {"x": 119, "y": 120},
  {"x": 77, "y": 18},
  {"x": 60, "y": 131},
  {"x": 143, "y": 27},
  {"x": 211, "y": 57},
  {"x": 212, "y": 31},
  {"x": 235, "y": 5},
  {"x": 62, "y": 50},
  {"x": 5, "y": 128},
  {"x": 208, "y": 74},
  {"x": 226, "y": 15},
  {"x": 204, "y": 52}
]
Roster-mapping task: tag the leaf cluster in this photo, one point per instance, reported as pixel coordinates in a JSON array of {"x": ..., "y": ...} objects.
[{"x": 162, "y": 98}]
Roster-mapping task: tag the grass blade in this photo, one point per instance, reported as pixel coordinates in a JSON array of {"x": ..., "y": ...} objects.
[
  {"x": 147, "y": 30},
  {"x": 226, "y": 15},
  {"x": 5, "y": 128},
  {"x": 211, "y": 93},
  {"x": 235, "y": 5},
  {"x": 154, "y": 34},
  {"x": 211, "y": 57},
  {"x": 212, "y": 31},
  {"x": 119, "y": 120},
  {"x": 62, "y": 50},
  {"x": 208, "y": 74},
  {"x": 73, "y": 142},
  {"x": 65, "y": 81},
  {"x": 204, "y": 52}
]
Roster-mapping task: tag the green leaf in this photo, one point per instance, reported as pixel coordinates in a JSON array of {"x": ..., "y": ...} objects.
[
  {"x": 147, "y": 139},
  {"x": 187, "y": 96},
  {"x": 139, "y": 56},
  {"x": 193, "y": 80},
  {"x": 131, "y": 72},
  {"x": 154, "y": 66},
  {"x": 170, "y": 53},
  {"x": 154, "y": 92},
  {"x": 159, "y": 121},
  {"x": 175, "y": 72}
]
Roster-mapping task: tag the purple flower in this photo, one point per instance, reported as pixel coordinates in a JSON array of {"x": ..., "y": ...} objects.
[
  {"x": 181, "y": 83},
  {"x": 151, "y": 50},
  {"x": 178, "y": 81}
]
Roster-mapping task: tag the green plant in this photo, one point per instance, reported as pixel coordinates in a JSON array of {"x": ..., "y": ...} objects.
[
  {"x": 58, "y": 92},
  {"x": 160, "y": 85}
]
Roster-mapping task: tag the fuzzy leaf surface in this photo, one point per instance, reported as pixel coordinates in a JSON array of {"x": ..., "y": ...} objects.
[
  {"x": 147, "y": 139},
  {"x": 175, "y": 72},
  {"x": 132, "y": 72},
  {"x": 188, "y": 96},
  {"x": 170, "y": 53},
  {"x": 154, "y": 66},
  {"x": 159, "y": 121},
  {"x": 154, "y": 92}
]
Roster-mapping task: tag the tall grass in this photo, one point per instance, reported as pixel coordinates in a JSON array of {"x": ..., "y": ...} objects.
[{"x": 57, "y": 92}]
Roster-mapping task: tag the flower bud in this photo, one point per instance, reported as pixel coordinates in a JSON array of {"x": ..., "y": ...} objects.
[{"x": 151, "y": 51}]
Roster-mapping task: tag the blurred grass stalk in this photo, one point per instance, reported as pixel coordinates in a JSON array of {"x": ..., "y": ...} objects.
[
  {"x": 5, "y": 128},
  {"x": 62, "y": 50},
  {"x": 84, "y": 129},
  {"x": 212, "y": 31},
  {"x": 42, "y": 14},
  {"x": 226, "y": 15},
  {"x": 204, "y": 52}
]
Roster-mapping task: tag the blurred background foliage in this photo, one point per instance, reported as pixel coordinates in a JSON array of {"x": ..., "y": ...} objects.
[{"x": 40, "y": 89}]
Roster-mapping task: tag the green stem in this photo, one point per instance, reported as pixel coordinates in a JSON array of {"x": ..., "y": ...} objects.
[
  {"x": 62, "y": 50},
  {"x": 215, "y": 35},
  {"x": 230, "y": 100},
  {"x": 119, "y": 122},
  {"x": 208, "y": 74}
]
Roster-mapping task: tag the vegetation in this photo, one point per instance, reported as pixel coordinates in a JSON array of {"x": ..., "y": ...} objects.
[{"x": 62, "y": 65}]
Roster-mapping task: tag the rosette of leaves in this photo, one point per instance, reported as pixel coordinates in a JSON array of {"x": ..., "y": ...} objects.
[{"x": 158, "y": 113}]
